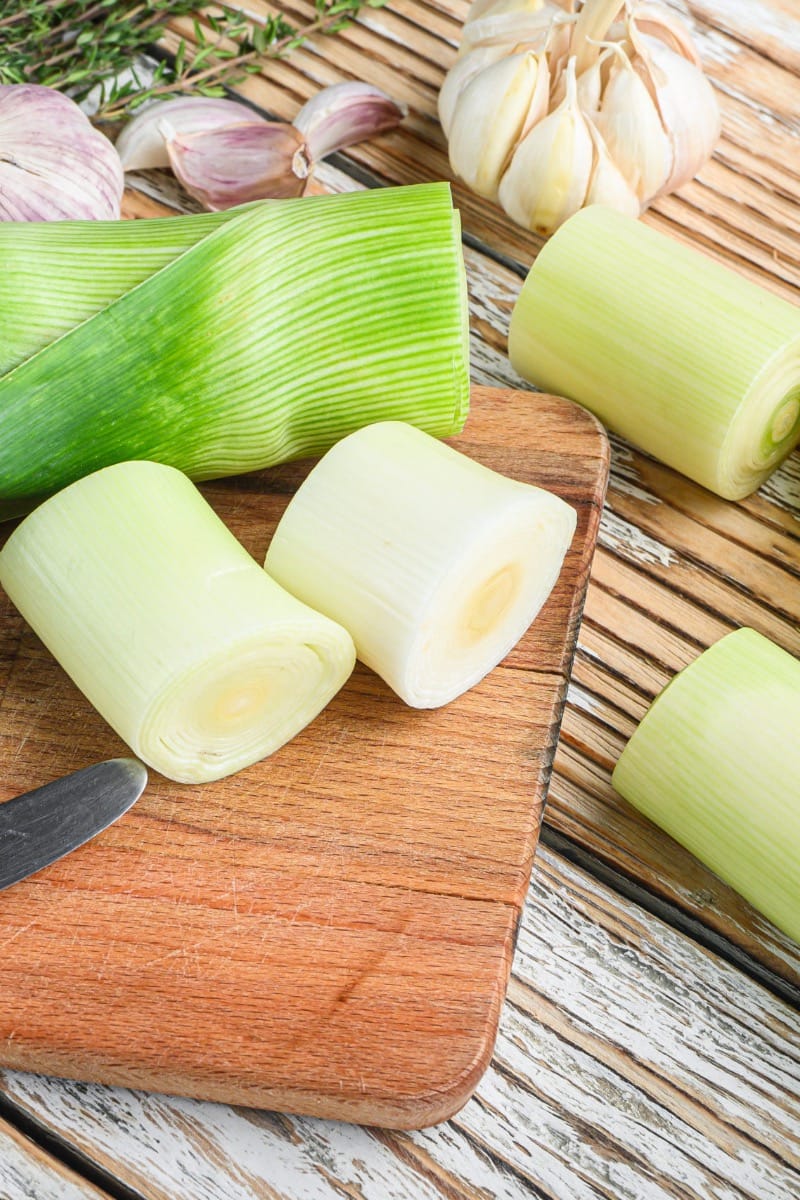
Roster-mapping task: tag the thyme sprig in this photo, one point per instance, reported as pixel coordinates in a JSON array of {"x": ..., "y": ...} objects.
[{"x": 92, "y": 49}]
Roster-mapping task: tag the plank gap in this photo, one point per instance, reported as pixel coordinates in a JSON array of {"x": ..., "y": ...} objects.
[
  {"x": 64, "y": 1152},
  {"x": 676, "y": 918}
]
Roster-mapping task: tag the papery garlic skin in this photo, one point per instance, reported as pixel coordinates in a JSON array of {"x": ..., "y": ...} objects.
[
  {"x": 686, "y": 103},
  {"x": 659, "y": 22},
  {"x": 465, "y": 69},
  {"x": 142, "y": 145},
  {"x": 495, "y": 110},
  {"x": 510, "y": 22},
  {"x": 54, "y": 166},
  {"x": 631, "y": 128},
  {"x": 641, "y": 121}
]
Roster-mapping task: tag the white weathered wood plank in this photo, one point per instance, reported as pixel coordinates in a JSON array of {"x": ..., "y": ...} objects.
[
  {"x": 630, "y": 1065},
  {"x": 28, "y": 1173}
]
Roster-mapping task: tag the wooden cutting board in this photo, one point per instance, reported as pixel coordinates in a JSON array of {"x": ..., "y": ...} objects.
[{"x": 330, "y": 931}]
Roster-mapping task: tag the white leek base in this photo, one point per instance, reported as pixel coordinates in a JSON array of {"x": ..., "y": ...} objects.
[
  {"x": 434, "y": 564},
  {"x": 191, "y": 652}
]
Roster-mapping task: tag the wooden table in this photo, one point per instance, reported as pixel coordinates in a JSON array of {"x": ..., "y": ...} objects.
[{"x": 650, "y": 1041}]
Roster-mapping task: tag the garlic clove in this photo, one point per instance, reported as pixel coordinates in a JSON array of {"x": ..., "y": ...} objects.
[
  {"x": 632, "y": 129},
  {"x": 225, "y": 167},
  {"x": 686, "y": 102},
  {"x": 590, "y": 84},
  {"x": 494, "y": 111},
  {"x": 141, "y": 144},
  {"x": 53, "y": 164},
  {"x": 660, "y": 23},
  {"x": 548, "y": 176},
  {"x": 343, "y": 114},
  {"x": 463, "y": 70},
  {"x": 607, "y": 184}
]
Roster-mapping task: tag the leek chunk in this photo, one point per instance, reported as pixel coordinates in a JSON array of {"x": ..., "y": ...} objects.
[
  {"x": 197, "y": 659},
  {"x": 716, "y": 763},
  {"x": 281, "y": 330},
  {"x": 684, "y": 357},
  {"x": 434, "y": 563}
]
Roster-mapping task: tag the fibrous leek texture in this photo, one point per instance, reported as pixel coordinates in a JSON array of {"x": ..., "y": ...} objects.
[
  {"x": 283, "y": 329},
  {"x": 199, "y": 660},
  {"x": 434, "y": 563},
  {"x": 716, "y": 763},
  {"x": 56, "y": 274},
  {"x": 684, "y": 357}
]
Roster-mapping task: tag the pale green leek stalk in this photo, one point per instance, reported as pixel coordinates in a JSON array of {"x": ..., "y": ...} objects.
[
  {"x": 191, "y": 652},
  {"x": 281, "y": 330},
  {"x": 682, "y": 356},
  {"x": 433, "y": 562},
  {"x": 716, "y": 763}
]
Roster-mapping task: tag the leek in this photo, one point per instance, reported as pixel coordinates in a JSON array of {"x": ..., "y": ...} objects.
[
  {"x": 685, "y": 358},
  {"x": 716, "y": 763},
  {"x": 434, "y": 563},
  {"x": 56, "y": 274},
  {"x": 187, "y": 648},
  {"x": 280, "y": 331}
]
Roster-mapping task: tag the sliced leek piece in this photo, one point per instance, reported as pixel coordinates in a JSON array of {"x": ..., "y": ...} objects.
[
  {"x": 716, "y": 763},
  {"x": 197, "y": 659},
  {"x": 684, "y": 357},
  {"x": 434, "y": 563}
]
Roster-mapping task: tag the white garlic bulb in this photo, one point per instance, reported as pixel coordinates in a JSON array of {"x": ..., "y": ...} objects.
[
  {"x": 628, "y": 115},
  {"x": 54, "y": 166}
]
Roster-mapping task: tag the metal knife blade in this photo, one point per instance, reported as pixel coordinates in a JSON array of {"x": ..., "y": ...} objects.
[{"x": 45, "y": 824}]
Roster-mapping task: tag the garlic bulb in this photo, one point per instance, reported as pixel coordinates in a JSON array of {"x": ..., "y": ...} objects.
[
  {"x": 225, "y": 154},
  {"x": 628, "y": 115},
  {"x": 53, "y": 165}
]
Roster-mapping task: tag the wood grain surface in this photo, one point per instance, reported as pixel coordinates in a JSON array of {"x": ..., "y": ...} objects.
[
  {"x": 648, "y": 1046},
  {"x": 331, "y": 930}
]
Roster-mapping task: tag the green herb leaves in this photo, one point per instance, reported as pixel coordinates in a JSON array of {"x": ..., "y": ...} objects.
[{"x": 93, "y": 48}]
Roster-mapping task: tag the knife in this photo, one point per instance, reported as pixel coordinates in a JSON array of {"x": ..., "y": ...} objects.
[{"x": 42, "y": 826}]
